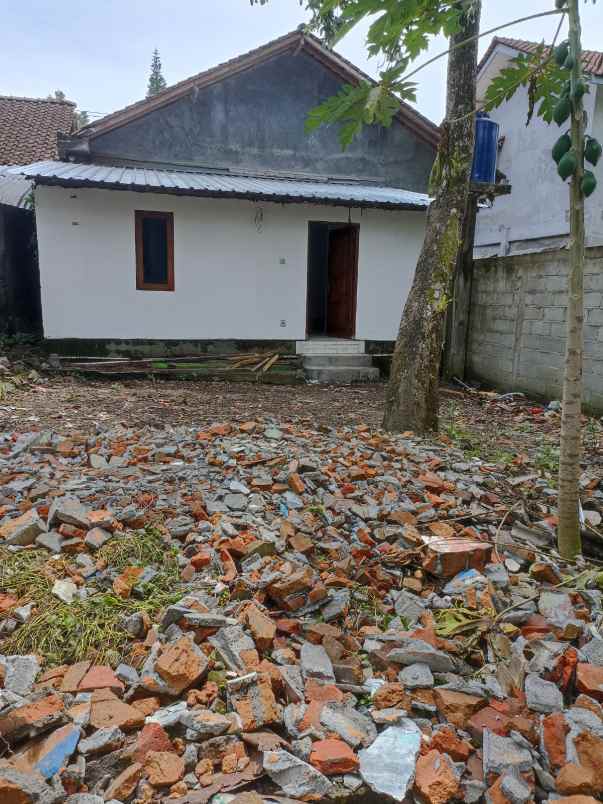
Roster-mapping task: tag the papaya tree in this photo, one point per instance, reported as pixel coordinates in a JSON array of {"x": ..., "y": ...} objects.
[{"x": 556, "y": 88}]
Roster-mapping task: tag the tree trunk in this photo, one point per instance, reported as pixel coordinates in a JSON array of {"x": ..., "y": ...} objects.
[
  {"x": 412, "y": 393},
  {"x": 571, "y": 441}
]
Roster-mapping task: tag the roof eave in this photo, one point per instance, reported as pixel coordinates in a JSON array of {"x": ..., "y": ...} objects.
[{"x": 51, "y": 181}]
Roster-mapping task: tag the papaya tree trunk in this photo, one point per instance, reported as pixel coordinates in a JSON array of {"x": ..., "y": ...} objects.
[
  {"x": 412, "y": 393},
  {"x": 568, "y": 535}
]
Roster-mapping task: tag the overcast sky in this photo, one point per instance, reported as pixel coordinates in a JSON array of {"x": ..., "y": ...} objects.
[{"x": 99, "y": 53}]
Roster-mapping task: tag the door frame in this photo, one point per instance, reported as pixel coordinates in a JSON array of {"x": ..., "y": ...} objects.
[{"x": 355, "y": 227}]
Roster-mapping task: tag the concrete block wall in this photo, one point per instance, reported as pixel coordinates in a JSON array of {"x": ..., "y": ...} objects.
[{"x": 517, "y": 324}]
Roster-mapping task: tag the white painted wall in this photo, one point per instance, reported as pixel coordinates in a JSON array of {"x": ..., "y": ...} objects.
[
  {"x": 539, "y": 203},
  {"x": 229, "y": 280}
]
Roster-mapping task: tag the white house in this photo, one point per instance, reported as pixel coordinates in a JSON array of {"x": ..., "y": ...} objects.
[
  {"x": 536, "y": 214},
  {"x": 206, "y": 213}
]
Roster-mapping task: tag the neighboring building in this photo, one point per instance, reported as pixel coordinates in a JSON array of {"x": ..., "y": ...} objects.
[
  {"x": 205, "y": 213},
  {"x": 517, "y": 328},
  {"x": 29, "y": 128},
  {"x": 536, "y": 214}
]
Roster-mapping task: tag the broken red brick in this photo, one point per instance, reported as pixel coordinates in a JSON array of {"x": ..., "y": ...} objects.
[
  {"x": 333, "y": 757},
  {"x": 589, "y": 680},
  {"x": 163, "y": 768},
  {"x": 435, "y": 779},
  {"x": 153, "y": 737}
]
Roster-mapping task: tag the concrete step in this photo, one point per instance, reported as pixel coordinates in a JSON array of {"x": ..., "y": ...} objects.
[
  {"x": 337, "y": 361},
  {"x": 329, "y": 346},
  {"x": 342, "y": 375}
]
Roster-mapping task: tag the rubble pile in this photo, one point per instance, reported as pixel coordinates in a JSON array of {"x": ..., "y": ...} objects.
[
  {"x": 16, "y": 373},
  {"x": 289, "y": 614}
]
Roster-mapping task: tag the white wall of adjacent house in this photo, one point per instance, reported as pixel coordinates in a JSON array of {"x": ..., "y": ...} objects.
[
  {"x": 240, "y": 268},
  {"x": 538, "y": 207}
]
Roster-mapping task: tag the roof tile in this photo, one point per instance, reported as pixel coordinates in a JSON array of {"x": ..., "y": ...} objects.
[
  {"x": 592, "y": 59},
  {"x": 29, "y": 128}
]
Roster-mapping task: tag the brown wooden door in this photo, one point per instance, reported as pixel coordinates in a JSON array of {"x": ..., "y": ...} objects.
[{"x": 341, "y": 297}]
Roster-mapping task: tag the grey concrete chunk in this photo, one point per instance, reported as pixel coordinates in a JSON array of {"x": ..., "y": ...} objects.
[
  {"x": 70, "y": 511},
  {"x": 315, "y": 662},
  {"x": 353, "y": 727},
  {"x": 556, "y": 607},
  {"x": 501, "y": 753},
  {"x": 515, "y": 788},
  {"x": 20, "y": 673},
  {"x": 127, "y": 674},
  {"x": 96, "y": 538},
  {"x": 230, "y": 643},
  {"x": 168, "y": 716},
  {"x": 593, "y": 651},
  {"x": 203, "y": 723},
  {"x": 51, "y": 540},
  {"x": 30, "y": 787},
  {"x": 415, "y": 651},
  {"x": 236, "y": 502},
  {"x": 102, "y": 740},
  {"x": 409, "y": 607},
  {"x": 388, "y": 765},
  {"x": 542, "y": 696},
  {"x": 86, "y": 798},
  {"x": 293, "y": 681},
  {"x": 23, "y": 530},
  {"x": 295, "y": 777},
  {"x": 416, "y": 676}
]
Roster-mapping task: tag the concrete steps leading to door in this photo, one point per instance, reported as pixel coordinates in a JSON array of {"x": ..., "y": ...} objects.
[
  {"x": 337, "y": 362},
  {"x": 329, "y": 346}
]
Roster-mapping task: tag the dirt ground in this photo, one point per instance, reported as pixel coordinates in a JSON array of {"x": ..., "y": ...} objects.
[{"x": 501, "y": 430}]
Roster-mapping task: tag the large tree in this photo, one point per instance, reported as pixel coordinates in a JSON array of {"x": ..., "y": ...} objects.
[
  {"x": 156, "y": 80},
  {"x": 401, "y": 29},
  {"x": 411, "y": 401}
]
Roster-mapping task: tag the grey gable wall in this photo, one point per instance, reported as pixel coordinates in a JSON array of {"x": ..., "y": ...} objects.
[{"x": 255, "y": 120}]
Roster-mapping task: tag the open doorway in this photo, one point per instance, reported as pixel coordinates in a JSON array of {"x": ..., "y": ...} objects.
[{"x": 332, "y": 279}]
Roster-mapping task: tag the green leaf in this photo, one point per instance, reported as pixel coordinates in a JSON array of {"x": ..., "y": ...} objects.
[
  {"x": 538, "y": 72},
  {"x": 365, "y": 104}
]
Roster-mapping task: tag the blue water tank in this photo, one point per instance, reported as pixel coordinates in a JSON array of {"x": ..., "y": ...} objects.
[{"x": 486, "y": 149}]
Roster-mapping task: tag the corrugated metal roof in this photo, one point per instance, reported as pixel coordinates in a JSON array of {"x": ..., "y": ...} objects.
[
  {"x": 218, "y": 185},
  {"x": 14, "y": 189}
]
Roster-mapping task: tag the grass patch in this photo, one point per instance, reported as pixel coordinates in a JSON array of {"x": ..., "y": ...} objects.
[
  {"x": 547, "y": 459},
  {"x": 91, "y": 628}
]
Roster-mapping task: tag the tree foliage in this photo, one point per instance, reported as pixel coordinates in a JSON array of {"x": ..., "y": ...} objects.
[
  {"x": 156, "y": 80},
  {"x": 537, "y": 71}
]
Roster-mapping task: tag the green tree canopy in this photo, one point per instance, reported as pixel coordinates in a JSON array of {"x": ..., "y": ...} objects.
[{"x": 156, "y": 80}]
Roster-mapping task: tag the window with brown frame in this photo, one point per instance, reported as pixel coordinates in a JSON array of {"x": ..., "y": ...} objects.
[{"x": 154, "y": 250}]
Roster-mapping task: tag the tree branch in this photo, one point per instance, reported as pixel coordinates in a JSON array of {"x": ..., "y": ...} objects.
[
  {"x": 479, "y": 36},
  {"x": 535, "y": 69}
]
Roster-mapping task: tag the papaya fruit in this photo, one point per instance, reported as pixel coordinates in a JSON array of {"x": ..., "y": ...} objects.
[
  {"x": 560, "y": 4},
  {"x": 570, "y": 62},
  {"x": 593, "y": 151},
  {"x": 561, "y": 147},
  {"x": 567, "y": 89},
  {"x": 561, "y": 53},
  {"x": 562, "y": 111},
  {"x": 567, "y": 164},
  {"x": 589, "y": 183},
  {"x": 580, "y": 90}
]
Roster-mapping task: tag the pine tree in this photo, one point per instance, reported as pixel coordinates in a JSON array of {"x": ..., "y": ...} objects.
[{"x": 156, "y": 79}]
